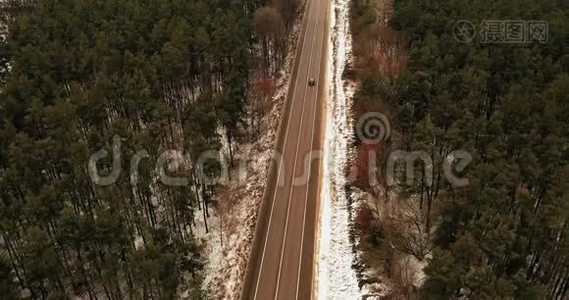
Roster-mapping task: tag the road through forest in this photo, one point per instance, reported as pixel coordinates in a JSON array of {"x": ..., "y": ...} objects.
[{"x": 281, "y": 265}]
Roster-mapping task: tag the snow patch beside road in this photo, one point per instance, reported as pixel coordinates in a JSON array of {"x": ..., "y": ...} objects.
[{"x": 336, "y": 279}]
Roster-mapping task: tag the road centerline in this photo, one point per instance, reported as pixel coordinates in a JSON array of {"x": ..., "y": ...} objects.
[
  {"x": 296, "y": 158},
  {"x": 323, "y": 40}
]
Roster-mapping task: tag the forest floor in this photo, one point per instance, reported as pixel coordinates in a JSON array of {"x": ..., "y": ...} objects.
[
  {"x": 387, "y": 226},
  {"x": 232, "y": 226},
  {"x": 385, "y": 245}
]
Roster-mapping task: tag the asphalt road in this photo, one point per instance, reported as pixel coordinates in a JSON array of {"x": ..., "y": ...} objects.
[{"x": 281, "y": 265}]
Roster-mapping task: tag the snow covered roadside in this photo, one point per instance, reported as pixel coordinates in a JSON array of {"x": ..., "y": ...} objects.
[
  {"x": 231, "y": 230},
  {"x": 336, "y": 278}
]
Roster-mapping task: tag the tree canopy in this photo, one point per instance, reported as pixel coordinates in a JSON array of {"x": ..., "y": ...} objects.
[{"x": 505, "y": 235}]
